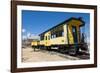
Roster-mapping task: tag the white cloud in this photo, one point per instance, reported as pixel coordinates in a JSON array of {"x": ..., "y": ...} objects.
[
  {"x": 87, "y": 39},
  {"x": 28, "y": 34},
  {"x": 23, "y": 30}
]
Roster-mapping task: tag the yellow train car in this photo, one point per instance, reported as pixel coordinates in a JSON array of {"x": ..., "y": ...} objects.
[
  {"x": 34, "y": 43},
  {"x": 64, "y": 36}
]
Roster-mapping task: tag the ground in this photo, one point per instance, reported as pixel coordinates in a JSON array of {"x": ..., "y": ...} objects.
[{"x": 29, "y": 55}]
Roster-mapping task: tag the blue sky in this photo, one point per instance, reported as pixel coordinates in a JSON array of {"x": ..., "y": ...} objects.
[{"x": 36, "y": 22}]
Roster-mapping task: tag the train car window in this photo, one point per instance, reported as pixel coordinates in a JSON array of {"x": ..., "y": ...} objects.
[
  {"x": 45, "y": 37},
  {"x": 54, "y": 36},
  {"x": 51, "y": 36},
  {"x": 48, "y": 37},
  {"x": 63, "y": 33},
  {"x": 59, "y": 33},
  {"x": 42, "y": 37}
]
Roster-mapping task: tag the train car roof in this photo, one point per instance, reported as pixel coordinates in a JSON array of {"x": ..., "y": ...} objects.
[{"x": 72, "y": 18}]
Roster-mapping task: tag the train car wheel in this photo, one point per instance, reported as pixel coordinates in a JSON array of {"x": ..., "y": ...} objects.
[{"x": 72, "y": 51}]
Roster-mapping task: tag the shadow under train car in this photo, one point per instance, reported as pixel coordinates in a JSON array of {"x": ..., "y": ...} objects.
[{"x": 72, "y": 49}]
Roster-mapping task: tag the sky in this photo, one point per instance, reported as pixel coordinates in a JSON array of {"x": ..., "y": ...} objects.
[{"x": 36, "y": 22}]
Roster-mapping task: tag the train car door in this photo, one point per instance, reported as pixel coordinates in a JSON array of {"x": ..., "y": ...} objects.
[
  {"x": 47, "y": 39},
  {"x": 74, "y": 32}
]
